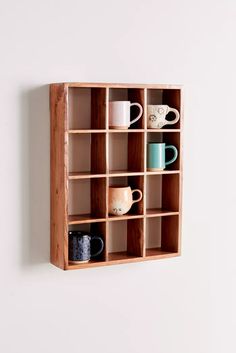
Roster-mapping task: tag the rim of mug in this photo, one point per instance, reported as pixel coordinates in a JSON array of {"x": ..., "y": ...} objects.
[
  {"x": 118, "y": 187},
  {"x": 156, "y": 143},
  {"x": 79, "y": 233}
]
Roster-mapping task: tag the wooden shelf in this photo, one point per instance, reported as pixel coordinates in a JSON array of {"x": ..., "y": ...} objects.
[
  {"x": 121, "y": 256},
  {"x": 84, "y": 175},
  {"x": 120, "y": 173},
  {"x": 158, "y": 212},
  {"x": 87, "y": 131},
  {"x": 85, "y": 218},
  {"x": 125, "y": 130},
  {"x": 124, "y": 217},
  {"x": 163, "y": 130},
  {"x": 163, "y": 172},
  {"x": 158, "y": 252},
  {"x": 87, "y": 157}
]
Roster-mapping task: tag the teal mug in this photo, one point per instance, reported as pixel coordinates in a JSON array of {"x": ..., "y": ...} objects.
[{"x": 156, "y": 156}]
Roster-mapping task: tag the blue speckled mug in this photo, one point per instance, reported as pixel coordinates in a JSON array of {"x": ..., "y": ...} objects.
[{"x": 80, "y": 246}]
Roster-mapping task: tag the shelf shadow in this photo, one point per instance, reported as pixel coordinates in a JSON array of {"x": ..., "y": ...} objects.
[{"x": 34, "y": 152}]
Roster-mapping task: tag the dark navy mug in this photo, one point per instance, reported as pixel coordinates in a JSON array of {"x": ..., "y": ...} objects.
[{"x": 84, "y": 246}]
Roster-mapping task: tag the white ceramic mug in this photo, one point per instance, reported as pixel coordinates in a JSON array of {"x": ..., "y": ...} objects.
[
  {"x": 119, "y": 114},
  {"x": 156, "y": 115},
  {"x": 121, "y": 199}
]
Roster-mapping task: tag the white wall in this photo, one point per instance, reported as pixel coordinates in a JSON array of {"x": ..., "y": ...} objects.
[{"x": 179, "y": 305}]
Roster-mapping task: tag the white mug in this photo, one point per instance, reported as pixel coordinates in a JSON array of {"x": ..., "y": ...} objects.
[
  {"x": 156, "y": 115},
  {"x": 119, "y": 114}
]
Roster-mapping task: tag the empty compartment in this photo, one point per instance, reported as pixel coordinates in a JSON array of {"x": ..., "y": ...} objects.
[
  {"x": 86, "y": 200},
  {"x": 135, "y": 182},
  {"x": 170, "y": 97},
  {"x": 134, "y": 95},
  {"x": 162, "y": 235},
  {"x": 87, "y": 153},
  {"x": 97, "y": 229},
  {"x": 125, "y": 239},
  {"x": 87, "y": 108},
  {"x": 126, "y": 152},
  {"x": 162, "y": 194}
]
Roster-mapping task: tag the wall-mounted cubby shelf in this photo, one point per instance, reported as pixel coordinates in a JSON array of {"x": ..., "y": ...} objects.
[{"x": 87, "y": 157}]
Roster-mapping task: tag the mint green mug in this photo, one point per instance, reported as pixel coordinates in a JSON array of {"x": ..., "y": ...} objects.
[{"x": 156, "y": 156}]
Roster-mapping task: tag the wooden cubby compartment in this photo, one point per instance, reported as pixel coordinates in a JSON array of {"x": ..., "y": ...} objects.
[
  {"x": 87, "y": 157},
  {"x": 170, "y": 97},
  {"x": 162, "y": 236}
]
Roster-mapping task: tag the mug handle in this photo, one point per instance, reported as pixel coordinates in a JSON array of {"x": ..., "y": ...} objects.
[
  {"x": 140, "y": 114},
  {"x": 175, "y": 154},
  {"x": 175, "y": 111},
  {"x": 140, "y": 195},
  {"x": 95, "y": 237}
]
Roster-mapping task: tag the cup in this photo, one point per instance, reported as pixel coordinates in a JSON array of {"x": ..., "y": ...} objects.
[
  {"x": 80, "y": 246},
  {"x": 121, "y": 199},
  {"x": 156, "y": 156},
  {"x": 156, "y": 115},
  {"x": 119, "y": 114}
]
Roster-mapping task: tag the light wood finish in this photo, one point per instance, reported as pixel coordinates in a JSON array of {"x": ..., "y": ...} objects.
[
  {"x": 159, "y": 212},
  {"x": 58, "y": 176},
  {"x": 86, "y": 131},
  {"x": 169, "y": 211}
]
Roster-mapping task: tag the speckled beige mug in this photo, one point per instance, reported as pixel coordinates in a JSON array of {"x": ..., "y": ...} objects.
[{"x": 121, "y": 199}]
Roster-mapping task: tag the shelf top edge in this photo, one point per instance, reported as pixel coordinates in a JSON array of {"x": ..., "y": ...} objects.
[{"x": 117, "y": 85}]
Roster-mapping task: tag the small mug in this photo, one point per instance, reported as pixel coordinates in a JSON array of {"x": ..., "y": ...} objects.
[
  {"x": 121, "y": 199},
  {"x": 119, "y": 114},
  {"x": 157, "y": 116},
  {"x": 80, "y": 246},
  {"x": 156, "y": 156}
]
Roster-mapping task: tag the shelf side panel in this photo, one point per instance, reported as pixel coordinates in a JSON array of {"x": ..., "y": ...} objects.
[{"x": 58, "y": 174}]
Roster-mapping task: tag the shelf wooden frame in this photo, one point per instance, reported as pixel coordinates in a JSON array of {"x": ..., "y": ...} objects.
[{"x": 66, "y": 106}]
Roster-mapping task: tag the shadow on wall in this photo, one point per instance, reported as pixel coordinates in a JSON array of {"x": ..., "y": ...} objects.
[{"x": 35, "y": 176}]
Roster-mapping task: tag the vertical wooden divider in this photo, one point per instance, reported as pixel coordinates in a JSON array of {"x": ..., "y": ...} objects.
[
  {"x": 145, "y": 169},
  {"x": 107, "y": 171},
  {"x": 59, "y": 175}
]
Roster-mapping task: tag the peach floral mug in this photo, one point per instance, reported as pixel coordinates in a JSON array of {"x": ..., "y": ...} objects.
[{"x": 121, "y": 199}]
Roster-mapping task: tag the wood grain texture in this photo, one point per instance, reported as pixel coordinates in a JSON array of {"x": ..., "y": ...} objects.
[
  {"x": 136, "y": 152},
  {"x": 98, "y": 154},
  {"x": 122, "y": 85},
  {"x": 98, "y": 197},
  {"x": 58, "y": 176},
  {"x": 98, "y": 108},
  {"x": 170, "y": 192},
  {"x": 170, "y": 234},
  {"x": 135, "y": 239}
]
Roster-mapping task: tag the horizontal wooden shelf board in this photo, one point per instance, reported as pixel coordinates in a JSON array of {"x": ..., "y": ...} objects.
[
  {"x": 159, "y": 212},
  {"x": 85, "y": 218},
  {"x": 117, "y": 258},
  {"x": 84, "y": 175},
  {"x": 117, "y": 173},
  {"x": 163, "y": 130},
  {"x": 163, "y": 172},
  {"x": 124, "y": 217},
  {"x": 159, "y": 252},
  {"x": 120, "y": 85},
  {"x": 87, "y": 131},
  {"x": 125, "y": 130}
]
